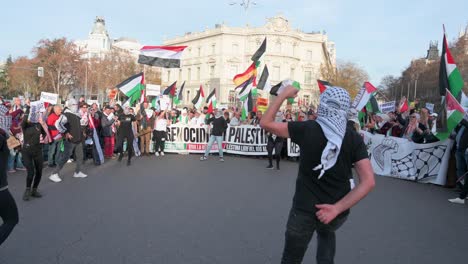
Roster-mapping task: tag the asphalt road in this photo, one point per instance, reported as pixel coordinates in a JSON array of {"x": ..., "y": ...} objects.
[{"x": 176, "y": 209}]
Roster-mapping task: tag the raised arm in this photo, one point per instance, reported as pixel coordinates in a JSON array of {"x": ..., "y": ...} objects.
[{"x": 268, "y": 120}]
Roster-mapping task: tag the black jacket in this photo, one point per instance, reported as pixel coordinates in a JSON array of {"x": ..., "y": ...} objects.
[{"x": 219, "y": 125}]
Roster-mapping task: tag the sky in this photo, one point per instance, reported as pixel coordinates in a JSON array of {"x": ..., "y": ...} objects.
[{"x": 380, "y": 36}]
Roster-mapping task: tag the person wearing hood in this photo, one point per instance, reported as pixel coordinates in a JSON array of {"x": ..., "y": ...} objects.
[
  {"x": 219, "y": 128},
  {"x": 125, "y": 132},
  {"x": 69, "y": 124},
  {"x": 323, "y": 196},
  {"x": 8, "y": 208}
]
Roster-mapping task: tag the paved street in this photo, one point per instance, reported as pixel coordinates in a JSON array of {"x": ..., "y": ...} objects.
[{"x": 176, "y": 209}]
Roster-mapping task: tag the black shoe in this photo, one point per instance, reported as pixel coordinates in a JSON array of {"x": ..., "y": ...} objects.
[
  {"x": 27, "y": 194},
  {"x": 120, "y": 157},
  {"x": 270, "y": 167},
  {"x": 129, "y": 162},
  {"x": 35, "y": 193}
]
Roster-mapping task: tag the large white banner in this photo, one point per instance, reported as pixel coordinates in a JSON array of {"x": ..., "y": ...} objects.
[
  {"x": 400, "y": 158},
  {"x": 243, "y": 140}
]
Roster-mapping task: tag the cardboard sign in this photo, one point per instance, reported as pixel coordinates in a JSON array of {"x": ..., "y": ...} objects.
[
  {"x": 165, "y": 103},
  {"x": 387, "y": 107},
  {"x": 50, "y": 98},
  {"x": 153, "y": 90},
  {"x": 430, "y": 107}
]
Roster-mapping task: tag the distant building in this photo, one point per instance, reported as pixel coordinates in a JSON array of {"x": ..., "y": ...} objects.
[
  {"x": 215, "y": 55},
  {"x": 433, "y": 51}
]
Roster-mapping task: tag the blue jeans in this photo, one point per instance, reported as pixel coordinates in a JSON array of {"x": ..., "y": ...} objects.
[
  {"x": 460, "y": 162},
  {"x": 218, "y": 139},
  {"x": 53, "y": 154},
  {"x": 15, "y": 156},
  {"x": 299, "y": 230}
]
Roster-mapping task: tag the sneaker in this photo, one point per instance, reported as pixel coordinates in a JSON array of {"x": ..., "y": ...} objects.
[
  {"x": 162, "y": 153},
  {"x": 270, "y": 167},
  {"x": 35, "y": 193},
  {"x": 69, "y": 161},
  {"x": 11, "y": 171},
  {"x": 156, "y": 154},
  {"x": 457, "y": 200},
  {"x": 221, "y": 159},
  {"x": 55, "y": 178},
  {"x": 21, "y": 169},
  {"x": 27, "y": 194},
  {"x": 80, "y": 175},
  {"x": 203, "y": 158}
]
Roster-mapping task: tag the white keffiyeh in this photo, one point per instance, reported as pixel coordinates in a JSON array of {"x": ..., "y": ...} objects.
[{"x": 332, "y": 118}]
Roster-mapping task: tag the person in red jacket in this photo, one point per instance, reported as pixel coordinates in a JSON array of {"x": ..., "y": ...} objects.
[{"x": 53, "y": 155}]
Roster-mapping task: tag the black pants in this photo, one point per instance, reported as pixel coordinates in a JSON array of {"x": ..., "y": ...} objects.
[
  {"x": 120, "y": 141},
  {"x": 300, "y": 228},
  {"x": 8, "y": 213},
  {"x": 274, "y": 144},
  {"x": 33, "y": 161},
  {"x": 159, "y": 138}
]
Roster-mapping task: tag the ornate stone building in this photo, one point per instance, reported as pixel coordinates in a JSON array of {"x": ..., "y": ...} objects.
[{"x": 215, "y": 55}]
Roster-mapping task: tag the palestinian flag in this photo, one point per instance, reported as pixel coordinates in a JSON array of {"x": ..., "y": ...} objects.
[
  {"x": 241, "y": 78},
  {"x": 246, "y": 89},
  {"x": 323, "y": 85},
  {"x": 277, "y": 89},
  {"x": 362, "y": 98},
  {"x": 455, "y": 114},
  {"x": 132, "y": 87},
  {"x": 171, "y": 90},
  {"x": 264, "y": 82},
  {"x": 161, "y": 56},
  {"x": 449, "y": 75},
  {"x": 403, "y": 107},
  {"x": 198, "y": 100},
  {"x": 247, "y": 106},
  {"x": 179, "y": 97},
  {"x": 155, "y": 102},
  {"x": 372, "y": 106},
  {"x": 211, "y": 101},
  {"x": 259, "y": 53}
]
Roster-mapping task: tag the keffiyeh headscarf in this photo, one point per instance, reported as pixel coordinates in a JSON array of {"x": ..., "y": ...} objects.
[
  {"x": 5, "y": 120},
  {"x": 332, "y": 117}
]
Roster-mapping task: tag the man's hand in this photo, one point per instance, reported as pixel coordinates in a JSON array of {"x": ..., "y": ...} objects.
[
  {"x": 68, "y": 136},
  {"x": 289, "y": 92},
  {"x": 326, "y": 212}
]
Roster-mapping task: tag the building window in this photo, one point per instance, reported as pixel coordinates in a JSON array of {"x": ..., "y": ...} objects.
[
  {"x": 232, "y": 97},
  {"x": 235, "y": 48},
  {"x": 212, "y": 71},
  {"x": 213, "y": 49},
  {"x": 198, "y": 73},
  {"x": 307, "y": 77},
  {"x": 168, "y": 75},
  {"x": 187, "y": 98},
  {"x": 306, "y": 100},
  {"x": 276, "y": 73},
  {"x": 180, "y": 74},
  {"x": 189, "y": 74},
  {"x": 292, "y": 73},
  {"x": 309, "y": 55},
  {"x": 199, "y": 51}
]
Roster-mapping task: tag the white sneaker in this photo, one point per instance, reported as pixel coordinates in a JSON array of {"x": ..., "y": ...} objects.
[
  {"x": 55, "y": 178},
  {"x": 156, "y": 154},
  {"x": 457, "y": 200},
  {"x": 80, "y": 175},
  {"x": 162, "y": 153},
  {"x": 69, "y": 161}
]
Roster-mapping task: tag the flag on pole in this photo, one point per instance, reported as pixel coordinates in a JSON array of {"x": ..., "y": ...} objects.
[
  {"x": 372, "y": 106},
  {"x": 361, "y": 99},
  {"x": 323, "y": 85},
  {"x": 170, "y": 90},
  {"x": 179, "y": 97},
  {"x": 403, "y": 107},
  {"x": 247, "y": 106},
  {"x": 198, "y": 100},
  {"x": 264, "y": 82},
  {"x": 96, "y": 141},
  {"x": 132, "y": 87},
  {"x": 258, "y": 54},
  {"x": 246, "y": 89},
  {"x": 455, "y": 114},
  {"x": 241, "y": 78},
  {"x": 161, "y": 56},
  {"x": 211, "y": 101},
  {"x": 449, "y": 75},
  {"x": 278, "y": 89}
]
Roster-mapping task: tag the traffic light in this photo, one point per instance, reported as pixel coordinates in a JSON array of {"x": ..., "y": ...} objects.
[{"x": 40, "y": 72}]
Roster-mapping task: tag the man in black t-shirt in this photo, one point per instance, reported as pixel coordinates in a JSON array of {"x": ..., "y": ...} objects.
[
  {"x": 323, "y": 197},
  {"x": 125, "y": 131}
]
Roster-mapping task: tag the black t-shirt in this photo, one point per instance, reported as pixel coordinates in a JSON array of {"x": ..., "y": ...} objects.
[
  {"x": 125, "y": 127},
  {"x": 219, "y": 125},
  {"x": 334, "y": 184}
]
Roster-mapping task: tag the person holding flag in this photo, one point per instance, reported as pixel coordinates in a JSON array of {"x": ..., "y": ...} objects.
[{"x": 323, "y": 195}]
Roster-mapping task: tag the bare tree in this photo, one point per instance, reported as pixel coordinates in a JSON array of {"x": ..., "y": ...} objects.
[{"x": 346, "y": 74}]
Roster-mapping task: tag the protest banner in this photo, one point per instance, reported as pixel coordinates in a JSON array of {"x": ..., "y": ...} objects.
[
  {"x": 387, "y": 107},
  {"x": 35, "y": 110},
  {"x": 50, "y": 98},
  {"x": 430, "y": 107},
  {"x": 153, "y": 90},
  {"x": 293, "y": 149}
]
